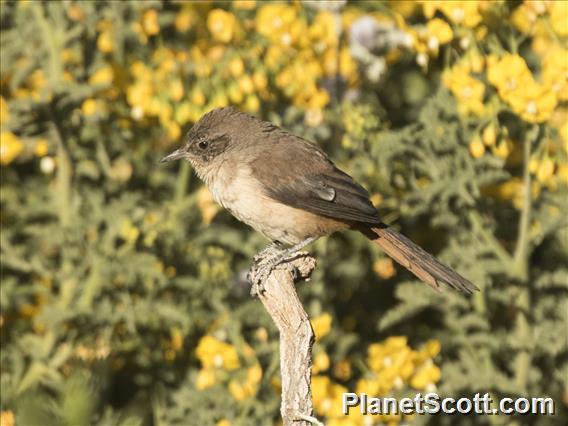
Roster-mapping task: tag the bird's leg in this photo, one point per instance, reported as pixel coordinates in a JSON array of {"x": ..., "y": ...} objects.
[
  {"x": 270, "y": 258},
  {"x": 274, "y": 246}
]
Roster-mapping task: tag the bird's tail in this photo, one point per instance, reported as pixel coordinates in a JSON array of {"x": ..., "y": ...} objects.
[{"x": 414, "y": 258}]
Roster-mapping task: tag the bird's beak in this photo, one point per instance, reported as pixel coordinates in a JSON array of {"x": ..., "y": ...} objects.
[{"x": 176, "y": 155}]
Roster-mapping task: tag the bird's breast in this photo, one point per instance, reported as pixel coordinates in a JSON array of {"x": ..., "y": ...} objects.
[{"x": 243, "y": 195}]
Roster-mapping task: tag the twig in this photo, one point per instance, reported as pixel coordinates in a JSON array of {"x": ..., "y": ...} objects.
[
  {"x": 296, "y": 340},
  {"x": 522, "y": 248},
  {"x": 310, "y": 419},
  {"x": 520, "y": 271}
]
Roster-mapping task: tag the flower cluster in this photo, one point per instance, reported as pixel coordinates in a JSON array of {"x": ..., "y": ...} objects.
[
  {"x": 393, "y": 368},
  {"x": 394, "y": 364},
  {"x": 121, "y": 79},
  {"x": 486, "y": 80},
  {"x": 221, "y": 363},
  {"x": 532, "y": 101}
]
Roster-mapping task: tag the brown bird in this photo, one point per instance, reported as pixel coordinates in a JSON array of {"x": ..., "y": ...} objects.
[{"x": 289, "y": 190}]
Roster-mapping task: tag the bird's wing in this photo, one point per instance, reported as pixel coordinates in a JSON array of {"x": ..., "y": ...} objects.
[{"x": 297, "y": 173}]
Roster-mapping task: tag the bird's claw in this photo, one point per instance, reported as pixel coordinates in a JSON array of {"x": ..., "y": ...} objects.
[
  {"x": 266, "y": 253},
  {"x": 257, "y": 276},
  {"x": 261, "y": 269}
]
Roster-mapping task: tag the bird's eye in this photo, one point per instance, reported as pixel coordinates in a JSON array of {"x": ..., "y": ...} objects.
[{"x": 202, "y": 144}]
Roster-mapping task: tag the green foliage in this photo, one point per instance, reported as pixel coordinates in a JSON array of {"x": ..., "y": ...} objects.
[
  {"x": 497, "y": 342},
  {"x": 114, "y": 268}
]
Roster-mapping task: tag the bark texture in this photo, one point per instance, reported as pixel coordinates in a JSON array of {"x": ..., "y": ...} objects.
[{"x": 296, "y": 340}]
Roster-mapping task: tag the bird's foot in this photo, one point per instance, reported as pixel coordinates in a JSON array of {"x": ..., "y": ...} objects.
[
  {"x": 257, "y": 276},
  {"x": 272, "y": 257},
  {"x": 270, "y": 250},
  {"x": 261, "y": 270}
]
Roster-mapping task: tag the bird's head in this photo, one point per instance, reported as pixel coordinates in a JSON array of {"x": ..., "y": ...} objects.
[{"x": 209, "y": 138}]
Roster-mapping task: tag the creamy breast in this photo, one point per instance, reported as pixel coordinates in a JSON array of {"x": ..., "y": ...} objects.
[{"x": 242, "y": 195}]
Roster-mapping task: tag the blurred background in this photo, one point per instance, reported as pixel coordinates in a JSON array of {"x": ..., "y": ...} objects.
[{"x": 123, "y": 297}]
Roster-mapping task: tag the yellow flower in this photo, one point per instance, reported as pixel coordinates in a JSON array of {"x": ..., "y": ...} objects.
[
  {"x": 390, "y": 359},
  {"x": 91, "y": 107},
  {"x": 105, "y": 40},
  {"x": 440, "y": 31},
  {"x": 244, "y": 4},
  {"x": 238, "y": 390},
  {"x": 545, "y": 170},
  {"x": 323, "y": 29},
  {"x": 139, "y": 95},
  {"x": 327, "y": 396},
  {"x": 542, "y": 44},
  {"x": 563, "y": 174},
  {"x": 223, "y": 422},
  {"x": 275, "y": 20},
  {"x": 7, "y": 418},
  {"x": 184, "y": 19},
  {"x": 503, "y": 148},
  {"x": 368, "y": 386},
  {"x": 431, "y": 348},
  {"x": 348, "y": 68},
  {"x": 508, "y": 73},
  {"x": 69, "y": 56},
  {"x": 254, "y": 374},
  {"x": 525, "y": 17},
  {"x": 128, "y": 231},
  {"x": 41, "y": 147},
  {"x": 508, "y": 190},
  {"x": 176, "y": 89},
  {"x": 321, "y": 362},
  {"x": 248, "y": 388},
  {"x": 252, "y": 104},
  {"x": 462, "y": 12},
  {"x": 205, "y": 378},
  {"x": 102, "y": 76},
  {"x": 384, "y": 268},
  {"x": 489, "y": 135},
  {"x": 473, "y": 61},
  {"x": 342, "y": 370},
  {"x": 197, "y": 97},
  {"x": 10, "y": 147},
  {"x": 555, "y": 71},
  {"x": 468, "y": 91},
  {"x": 214, "y": 353},
  {"x": 173, "y": 131},
  {"x": 319, "y": 99},
  {"x": 206, "y": 205},
  {"x": 76, "y": 13},
  {"x": 150, "y": 23},
  {"x": 322, "y": 325},
  {"x": 558, "y": 17},
  {"x": 37, "y": 82},
  {"x": 235, "y": 94},
  {"x": 427, "y": 374},
  {"x": 476, "y": 147},
  {"x": 533, "y": 102},
  {"x": 4, "y": 111},
  {"x": 221, "y": 24},
  {"x": 182, "y": 112},
  {"x": 259, "y": 79},
  {"x": 236, "y": 67},
  {"x": 246, "y": 84}
]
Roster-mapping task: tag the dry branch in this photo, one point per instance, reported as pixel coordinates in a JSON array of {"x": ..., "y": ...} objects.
[{"x": 296, "y": 340}]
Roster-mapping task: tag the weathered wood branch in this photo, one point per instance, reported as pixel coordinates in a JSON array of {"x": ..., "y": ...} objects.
[{"x": 296, "y": 340}]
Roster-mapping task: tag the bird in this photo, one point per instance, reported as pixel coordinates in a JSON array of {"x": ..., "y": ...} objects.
[{"x": 289, "y": 190}]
